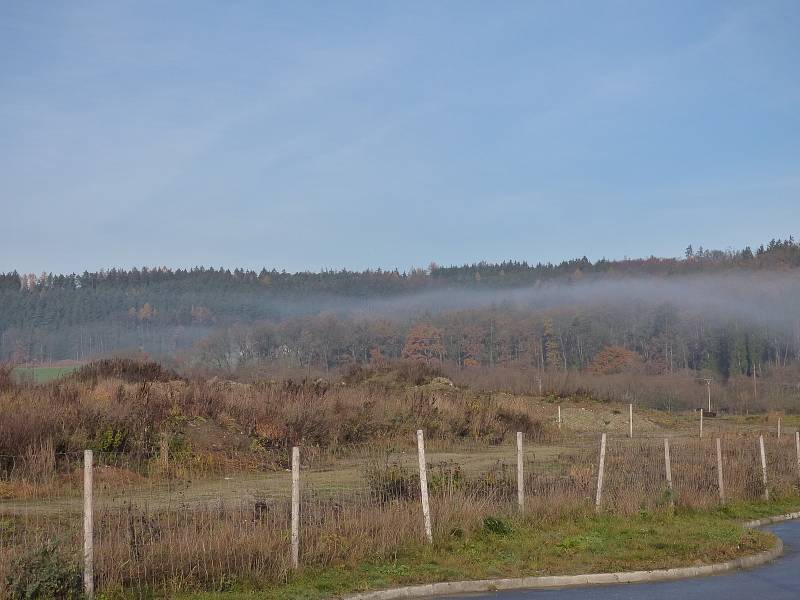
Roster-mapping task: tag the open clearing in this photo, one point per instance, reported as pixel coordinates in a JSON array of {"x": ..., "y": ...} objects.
[{"x": 43, "y": 374}]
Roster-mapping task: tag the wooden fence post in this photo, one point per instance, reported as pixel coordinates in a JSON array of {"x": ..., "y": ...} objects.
[
  {"x": 668, "y": 468},
  {"x": 520, "y": 474},
  {"x": 701, "y": 423},
  {"x": 559, "y": 416},
  {"x": 88, "y": 525},
  {"x": 763, "y": 466},
  {"x": 295, "y": 507},
  {"x": 600, "y": 469},
  {"x": 630, "y": 421},
  {"x": 423, "y": 486},
  {"x": 779, "y": 428},
  {"x": 719, "y": 472}
]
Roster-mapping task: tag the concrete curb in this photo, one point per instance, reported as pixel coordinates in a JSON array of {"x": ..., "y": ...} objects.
[
  {"x": 558, "y": 581},
  {"x": 770, "y": 520}
]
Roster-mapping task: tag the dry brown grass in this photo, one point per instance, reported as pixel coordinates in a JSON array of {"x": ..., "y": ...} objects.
[
  {"x": 777, "y": 390},
  {"x": 161, "y": 541},
  {"x": 173, "y": 512},
  {"x": 225, "y": 421}
]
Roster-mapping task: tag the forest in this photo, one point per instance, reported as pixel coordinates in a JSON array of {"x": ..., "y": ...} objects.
[{"x": 728, "y": 313}]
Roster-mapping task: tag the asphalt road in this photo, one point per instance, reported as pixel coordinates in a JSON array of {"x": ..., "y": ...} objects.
[{"x": 778, "y": 580}]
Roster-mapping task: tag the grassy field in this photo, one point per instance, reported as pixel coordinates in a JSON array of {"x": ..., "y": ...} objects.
[
  {"x": 42, "y": 374},
  {"x": 508, "y": 548}
]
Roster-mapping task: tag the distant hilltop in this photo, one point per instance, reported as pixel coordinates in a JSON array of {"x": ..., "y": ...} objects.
[{"x": 777, "y": 254}]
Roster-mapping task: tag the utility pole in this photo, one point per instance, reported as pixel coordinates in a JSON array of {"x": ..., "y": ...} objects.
[{"x": 708, "y": 385}]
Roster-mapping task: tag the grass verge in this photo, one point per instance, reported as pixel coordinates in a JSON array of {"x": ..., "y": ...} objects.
[{"x": 587, "y": 544}]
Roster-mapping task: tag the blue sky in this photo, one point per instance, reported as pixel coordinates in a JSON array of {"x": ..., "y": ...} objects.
[{"x": 304, "y": 135}]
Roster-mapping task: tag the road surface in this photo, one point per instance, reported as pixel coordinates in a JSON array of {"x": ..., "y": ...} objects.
[{"x": 778, "y": 580}]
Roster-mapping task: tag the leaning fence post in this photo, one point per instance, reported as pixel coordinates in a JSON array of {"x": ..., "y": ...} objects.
[
  {"x": 88, "y": 525},
  {"x": 630, "y": 421},
  {"x": 520, "y": 474},
  {"x": 295, "y": 507},
  {"x": 797, "y": 444},
  {"x": 719, "y": 472},
  {"x": 600, "y": 469},
  {"x": 423, "y": 486},
  {"x": 763, "y": 466},
  {"x": 668, "y": 467}
]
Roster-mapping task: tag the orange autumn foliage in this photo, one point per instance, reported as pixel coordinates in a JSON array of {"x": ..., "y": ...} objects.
[{"x": 615, "y": 359}]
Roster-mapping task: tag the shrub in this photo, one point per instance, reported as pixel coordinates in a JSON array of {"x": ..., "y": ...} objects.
[
  {"x": 514, "y": 421},
  {"x": 9, "y": 527},
  {"x": 44, "y": 573},
  {"x": 445, "y": 477},
  {"x": 131, "y": 371},
  {"x": 355, "y": 373},
  {"x": 113, "y": 439},
  {"x": 392, "y": 481},
  {"x": 497, "y": 526},
  {"x": 6, "y": 380},
  {"x": 499, "y": 481},
  {"x": 417, "y": 373}
]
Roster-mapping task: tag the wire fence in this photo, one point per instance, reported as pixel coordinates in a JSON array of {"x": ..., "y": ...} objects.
[{"x": 162, "y": 526}]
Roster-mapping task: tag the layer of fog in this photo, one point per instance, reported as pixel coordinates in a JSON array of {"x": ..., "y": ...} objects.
[{"x": 771, "y": 298}]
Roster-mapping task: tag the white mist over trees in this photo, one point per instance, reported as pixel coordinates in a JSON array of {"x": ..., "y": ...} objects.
[{"x": 732, "y": 313}]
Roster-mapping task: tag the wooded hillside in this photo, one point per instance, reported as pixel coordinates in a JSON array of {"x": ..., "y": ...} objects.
[{"x": 672, "y": 313}]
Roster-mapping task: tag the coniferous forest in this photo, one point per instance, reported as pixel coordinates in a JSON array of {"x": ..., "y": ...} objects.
[{"x": 730, "y": 313}]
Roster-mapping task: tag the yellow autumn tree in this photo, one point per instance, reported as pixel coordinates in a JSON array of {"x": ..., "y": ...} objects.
[{"x": 147, "y": 312}]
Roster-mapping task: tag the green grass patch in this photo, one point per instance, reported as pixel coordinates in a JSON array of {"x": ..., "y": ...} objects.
[
  {"x": 750, "y": 511},
  {"x": 511, "y": 548},
  {"x": 42, "y": 374}
]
